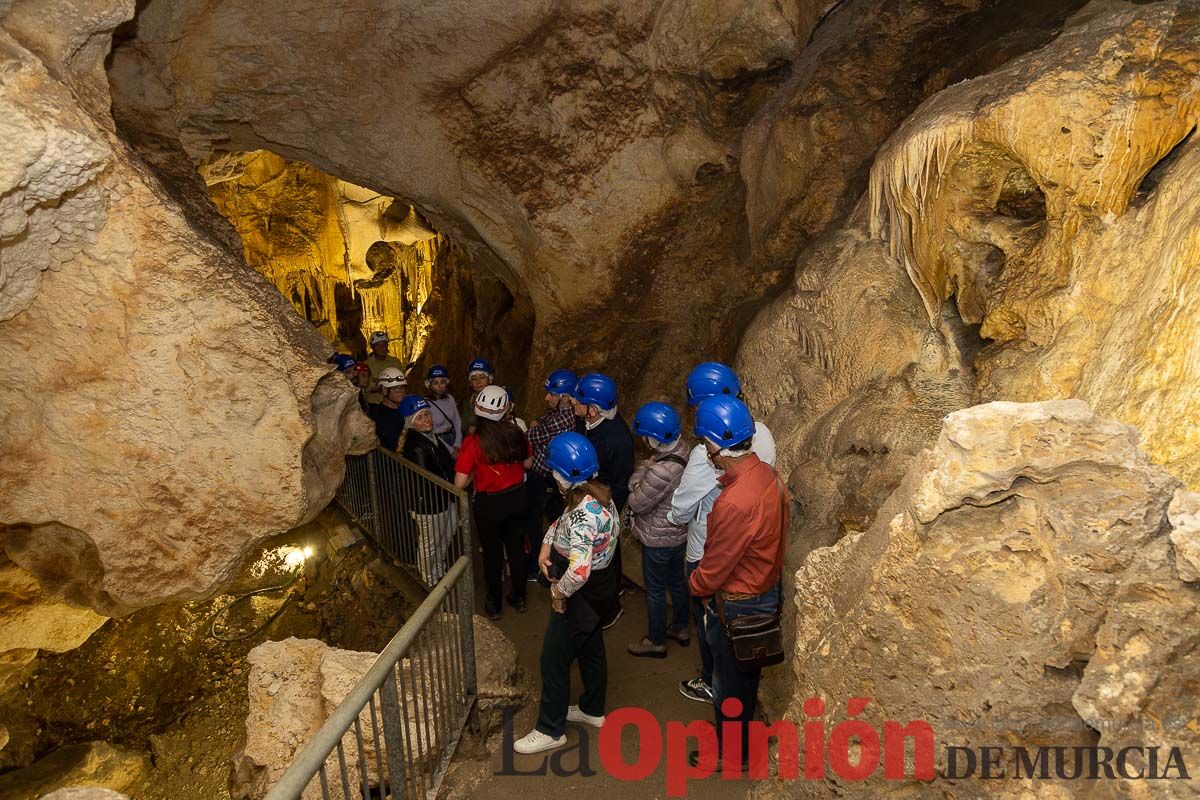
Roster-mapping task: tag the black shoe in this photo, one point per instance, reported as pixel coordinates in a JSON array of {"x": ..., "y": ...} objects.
[
  {"x": 492, "y": 610},
  {"x": 613, "y": 621},
  {"x": 518, "y": 604},
  {"x": 694, "y": 761},
  {"x": 696, "y": 689}
]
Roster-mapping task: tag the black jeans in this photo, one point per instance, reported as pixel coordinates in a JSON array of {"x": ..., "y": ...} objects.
[
  {"x": 542, "y": 492},
  {"x": 728, "y": 680},
  {"x": 706, "y": 657},
  {"x": 502, "y": 520},
  {"x": 560, "y": 647}
]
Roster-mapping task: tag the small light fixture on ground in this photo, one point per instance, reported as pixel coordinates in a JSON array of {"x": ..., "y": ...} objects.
[{"x": 296, "y": 556}]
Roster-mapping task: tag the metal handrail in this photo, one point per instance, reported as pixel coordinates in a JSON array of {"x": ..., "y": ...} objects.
[
  {"x": 381, "y": 494},
  {"x": 424, "y": 473},
  {"x": 312, "y": 758}
]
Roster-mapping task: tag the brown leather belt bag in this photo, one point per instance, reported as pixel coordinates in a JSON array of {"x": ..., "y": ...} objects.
[{"x": 756, "y": 639}]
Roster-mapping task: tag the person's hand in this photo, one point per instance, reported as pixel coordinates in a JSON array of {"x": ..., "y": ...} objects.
[
  {"x": 535, "y": 423},
  {"x": 557, "y": 601}
]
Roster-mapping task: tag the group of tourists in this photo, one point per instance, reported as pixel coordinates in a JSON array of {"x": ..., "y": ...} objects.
[{"x": 550, "y": 499}]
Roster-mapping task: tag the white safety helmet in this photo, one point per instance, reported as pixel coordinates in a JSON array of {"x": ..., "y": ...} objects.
[
  {"x": 492, "y": 403},
  {"x": 391, "y": 378},
  {"x": 377, "y": 337}
]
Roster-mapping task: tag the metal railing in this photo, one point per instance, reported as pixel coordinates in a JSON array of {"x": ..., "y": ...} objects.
[
  {"x": 395, "y": 732},
  {"x": 418, "y": 519}
]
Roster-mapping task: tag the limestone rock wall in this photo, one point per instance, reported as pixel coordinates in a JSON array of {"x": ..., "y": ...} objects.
[
  {"x": 1019, "y": 587},
  {"x": 162, "y": 406}
]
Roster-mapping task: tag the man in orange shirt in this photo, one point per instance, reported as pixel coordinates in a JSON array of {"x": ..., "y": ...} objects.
[{"x": 743, "y": 556}]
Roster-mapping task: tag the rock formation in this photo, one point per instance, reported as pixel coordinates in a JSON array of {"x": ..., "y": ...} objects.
[
  {"x": 1018, "y": 588},
  {"x": 1020, "y": 205},
  {"x": 561, "y": 145},
  {"x": 295, "y": 684},
  {"x": 163, "y": 407},
  {"x": 33, "y": 622},
  {"x": 96, "y": 764},
  {"x": 85, "y": 793}
]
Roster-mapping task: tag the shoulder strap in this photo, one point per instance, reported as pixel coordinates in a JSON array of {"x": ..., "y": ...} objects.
[
  {"x": 443, "y": 413},
  {"x": 784, "y": 515}
]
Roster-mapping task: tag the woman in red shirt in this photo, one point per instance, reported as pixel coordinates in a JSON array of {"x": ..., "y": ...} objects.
[{"x": 494, "y": 458}]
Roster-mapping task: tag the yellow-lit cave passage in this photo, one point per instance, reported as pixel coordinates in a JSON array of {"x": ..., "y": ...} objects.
[{"x": 350, "y": 260}]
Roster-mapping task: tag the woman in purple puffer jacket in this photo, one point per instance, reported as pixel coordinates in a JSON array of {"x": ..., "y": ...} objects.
[{"x": 663, "y": 544}]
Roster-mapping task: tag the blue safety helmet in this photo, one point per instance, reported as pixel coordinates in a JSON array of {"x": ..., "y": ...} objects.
[
  {"x": 710, "y": 379},
  {"x": 480, "y": 365},
  {"x": 595, "y": 389},
  {"x": 658, "y": 421},
  {"x": 724, "y": 421},
  {"x": 437, "y": 371},
  {"x": 343, "y": 362},
  {"x": 411, "y": 404},
  {"x": 561, "y": 381},
  {"x": 572, "y": 458}
]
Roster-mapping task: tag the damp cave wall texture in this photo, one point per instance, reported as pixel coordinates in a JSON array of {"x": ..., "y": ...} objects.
[{"x": 896, "y": 213}]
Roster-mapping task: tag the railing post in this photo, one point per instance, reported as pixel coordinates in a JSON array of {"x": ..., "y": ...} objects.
[
  {"x": 373, "y": 488},
  {"x": 393, "y": 721},
  {"x": 467, "y": 609}
]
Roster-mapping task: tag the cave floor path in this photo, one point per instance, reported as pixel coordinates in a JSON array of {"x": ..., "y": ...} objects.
[{"x": 649, "y": 683}]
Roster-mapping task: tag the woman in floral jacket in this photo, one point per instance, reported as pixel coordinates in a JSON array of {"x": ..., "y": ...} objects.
[{"x": 577, "y": 558}]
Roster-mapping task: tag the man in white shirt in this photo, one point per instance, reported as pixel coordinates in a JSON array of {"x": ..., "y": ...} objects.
[{"x": 693, "y": 500}]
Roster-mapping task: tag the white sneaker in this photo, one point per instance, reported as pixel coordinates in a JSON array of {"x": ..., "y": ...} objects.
[
  {"x": 575, "y": 715},
  {"x": 537, "y": 742}
]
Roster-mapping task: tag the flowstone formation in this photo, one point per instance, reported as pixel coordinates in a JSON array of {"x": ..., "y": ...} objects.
[
  {"x": 1054, "y": 200},
  {"x": 163, "y": 408},
  {"x": 1020, "y": 587},
  {"x": 1040, "y": 215}
]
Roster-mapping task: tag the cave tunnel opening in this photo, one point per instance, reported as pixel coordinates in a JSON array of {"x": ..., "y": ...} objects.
[{"x": 351, "y": 261}]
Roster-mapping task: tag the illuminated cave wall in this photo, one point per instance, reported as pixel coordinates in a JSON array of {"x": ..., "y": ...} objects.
[{"x": 349, "y": 259}]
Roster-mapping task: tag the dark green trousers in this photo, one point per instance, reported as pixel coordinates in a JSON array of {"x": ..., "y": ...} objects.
[{"x": 560, "y": 647}]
